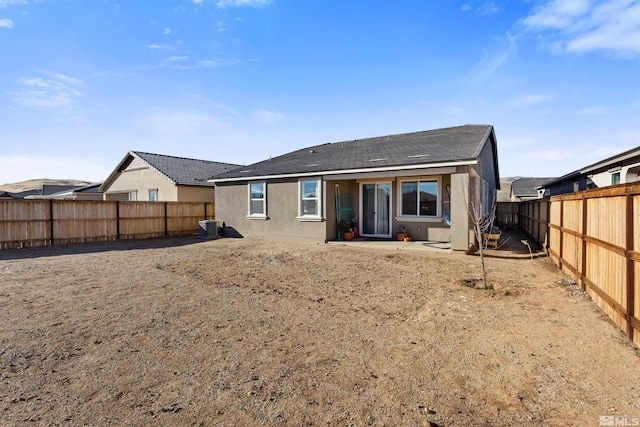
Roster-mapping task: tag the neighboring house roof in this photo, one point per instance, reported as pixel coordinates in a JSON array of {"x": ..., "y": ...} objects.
[
  {"x": 178, "y": 170},
  {"x": 67, "y": 192},
  {"x": 430, "y": 148},
  {"x": 20, "y": 194},
  {"x": 622, "y": 159},
  {"x": 526, "y": 187}
]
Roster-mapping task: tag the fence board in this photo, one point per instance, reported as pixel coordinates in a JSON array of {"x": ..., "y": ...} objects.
[
  {"x": 594, "y": 236},
  {"x": 25, "y": 223}
]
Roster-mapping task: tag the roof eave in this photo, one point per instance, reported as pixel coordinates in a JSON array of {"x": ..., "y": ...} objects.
[{"x": 347, "y": 171}]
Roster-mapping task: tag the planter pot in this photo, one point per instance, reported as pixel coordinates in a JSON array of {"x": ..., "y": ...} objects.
[
  {"x": 407, "y": 239},
  {"x": 401, "y": 236},
  {"x": 348, "y": 235},
  {"x": 356, "y": 232}
]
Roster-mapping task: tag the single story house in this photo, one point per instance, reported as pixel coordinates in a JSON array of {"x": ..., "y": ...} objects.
[
  {"x": 523, "y": 189},
  {"x": 421, "y": 182},
  {"x": 86, "y": 192},
  {"x": 157, "y": 177},
  {"x": 622, "y": 168}
]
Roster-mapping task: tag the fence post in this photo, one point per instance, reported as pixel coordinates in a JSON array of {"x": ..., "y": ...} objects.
[
  {"x": 117, "y": 219},
  {"x": 560, "y": 259},
  {"x": 583, "y": 266},
  {"x": 166, "y": 226},
  {"x": 51, "y": 220},
  {"x": 629, "y": 230}
]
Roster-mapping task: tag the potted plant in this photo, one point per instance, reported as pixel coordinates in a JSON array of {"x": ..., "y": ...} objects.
[
  {"x": 345, "y": 231},
  {"x": 354, "y": 226},
  {"x": 402, "y": 233}
]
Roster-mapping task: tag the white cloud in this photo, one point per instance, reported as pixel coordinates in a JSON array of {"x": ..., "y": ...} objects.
[
  {"x": 168, "y": 31},
  {"x": 466, "y": 7},
  {"x": 492, "y": 61},
  {"x": 54, "y": 91},
  {"x": 6, "y": 3},
  {"x": 488, "y": 8},
  {"x": 592, "y": 111},
  {"x": 267, "y": 117},
  {"x": 197, "y": 2},
  {"x": 6, "y": 23},
  {"x": 221, "y": 27},
  {"x": 251, "y": 3},
  {"x": 176, "y": 58},
  {"x": 528, "y": 99},
  {"x": 152, "y": 46},
  {"x": 611, "y": 26}
]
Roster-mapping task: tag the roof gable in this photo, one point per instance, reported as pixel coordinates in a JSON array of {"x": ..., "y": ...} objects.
[
  {"x": 463, "y": 143},
  {"x": 178, "y": 170}
]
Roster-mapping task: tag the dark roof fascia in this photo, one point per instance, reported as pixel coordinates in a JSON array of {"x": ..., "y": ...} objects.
[
  {"x": 465, "y": 162},
  {"x": 112, "y": 176},
  {"x": 555, "y": 181},
  {"x": 490, "y": 136}
]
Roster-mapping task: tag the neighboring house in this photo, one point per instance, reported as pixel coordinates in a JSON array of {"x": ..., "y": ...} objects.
[
  {"x": 619, "y": 169},
  {"x": 422, "y": 181},
  {"x": 156, "y": 177},
  {"x": 523, "y": 189},
  {"x": 41, "y": 193},
  {"x": 87, "y": 192}
]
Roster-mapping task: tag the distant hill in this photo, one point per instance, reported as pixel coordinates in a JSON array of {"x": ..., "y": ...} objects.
[{"x": 35, "y": 184}]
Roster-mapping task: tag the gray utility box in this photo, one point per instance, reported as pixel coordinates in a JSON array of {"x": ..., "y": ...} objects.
[{"x": 209, "y": 229}]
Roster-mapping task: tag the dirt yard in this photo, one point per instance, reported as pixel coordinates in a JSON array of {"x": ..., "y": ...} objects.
[{"x": 254, "y": 332}]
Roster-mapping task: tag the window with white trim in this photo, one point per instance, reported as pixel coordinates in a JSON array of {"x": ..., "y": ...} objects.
[
  {"x": 310, "y": 197},
  {"x": 133, "y": 196},
  {"x": 258, "y": 199},
  {"x": 615, "y": 178},
  {"x": 153, "y": 195},
  {"x": 419, "y": 198}
]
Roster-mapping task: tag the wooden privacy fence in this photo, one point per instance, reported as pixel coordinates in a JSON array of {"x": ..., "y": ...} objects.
[
  {"x": 26, "y": 223},
  {"x": 594, "y": 236}
]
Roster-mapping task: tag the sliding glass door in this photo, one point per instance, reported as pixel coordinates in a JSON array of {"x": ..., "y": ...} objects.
[{"x": 376, "y": 209}]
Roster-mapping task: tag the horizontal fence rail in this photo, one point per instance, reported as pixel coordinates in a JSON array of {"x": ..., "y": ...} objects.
[
  {"x": 28, "y": 223},
  {"x": 594, "y": 236}
]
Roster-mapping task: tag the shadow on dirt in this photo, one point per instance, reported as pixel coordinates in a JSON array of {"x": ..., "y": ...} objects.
[{"x": 97, "y": 247}]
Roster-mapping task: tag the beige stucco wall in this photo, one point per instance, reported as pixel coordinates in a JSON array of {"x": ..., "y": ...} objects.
[
  {"x": 189, "y": 193},
  {"x": 282, "y": 210},
  {"x": 142, "y": 180},
  {"x": 232, "y": 207},
  {"x": 461, "y": 234}
]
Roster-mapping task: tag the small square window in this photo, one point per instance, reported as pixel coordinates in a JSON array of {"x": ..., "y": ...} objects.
[
  {"x": 153, "y": 195},
  {"x": 133, "y": 196}
]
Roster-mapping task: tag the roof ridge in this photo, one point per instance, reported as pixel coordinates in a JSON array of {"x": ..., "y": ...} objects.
[{"x": 181, "y": 157}]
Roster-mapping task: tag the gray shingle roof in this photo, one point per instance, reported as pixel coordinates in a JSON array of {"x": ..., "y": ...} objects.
[
  {"x": 526, "y": 187},
  {"x": 184, "y": 171},
  {"x": 417, "y": 148}
]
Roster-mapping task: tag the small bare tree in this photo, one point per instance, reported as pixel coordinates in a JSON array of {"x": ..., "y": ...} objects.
[{"x": 481, "y": 224}]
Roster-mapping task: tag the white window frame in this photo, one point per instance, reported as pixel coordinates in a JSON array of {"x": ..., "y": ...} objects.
[
  {"x": 133, "y": 196},
  {"x": 251, "y": 215},
  {"x": 301, "y": 199},
  {"x": 618, "y": 174},
  {"x": 153, "y": 190},
  {"x": 420, "y": 218}
]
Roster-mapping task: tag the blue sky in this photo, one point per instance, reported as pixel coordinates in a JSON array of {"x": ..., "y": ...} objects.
[{"x": 237, "y": 81}]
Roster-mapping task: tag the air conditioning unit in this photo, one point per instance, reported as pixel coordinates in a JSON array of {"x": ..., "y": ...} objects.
[{"x": 208, "y": 229}]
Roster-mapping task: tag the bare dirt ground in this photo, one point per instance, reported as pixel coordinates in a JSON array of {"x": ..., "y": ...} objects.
[{"x": 255, "y": 332}]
